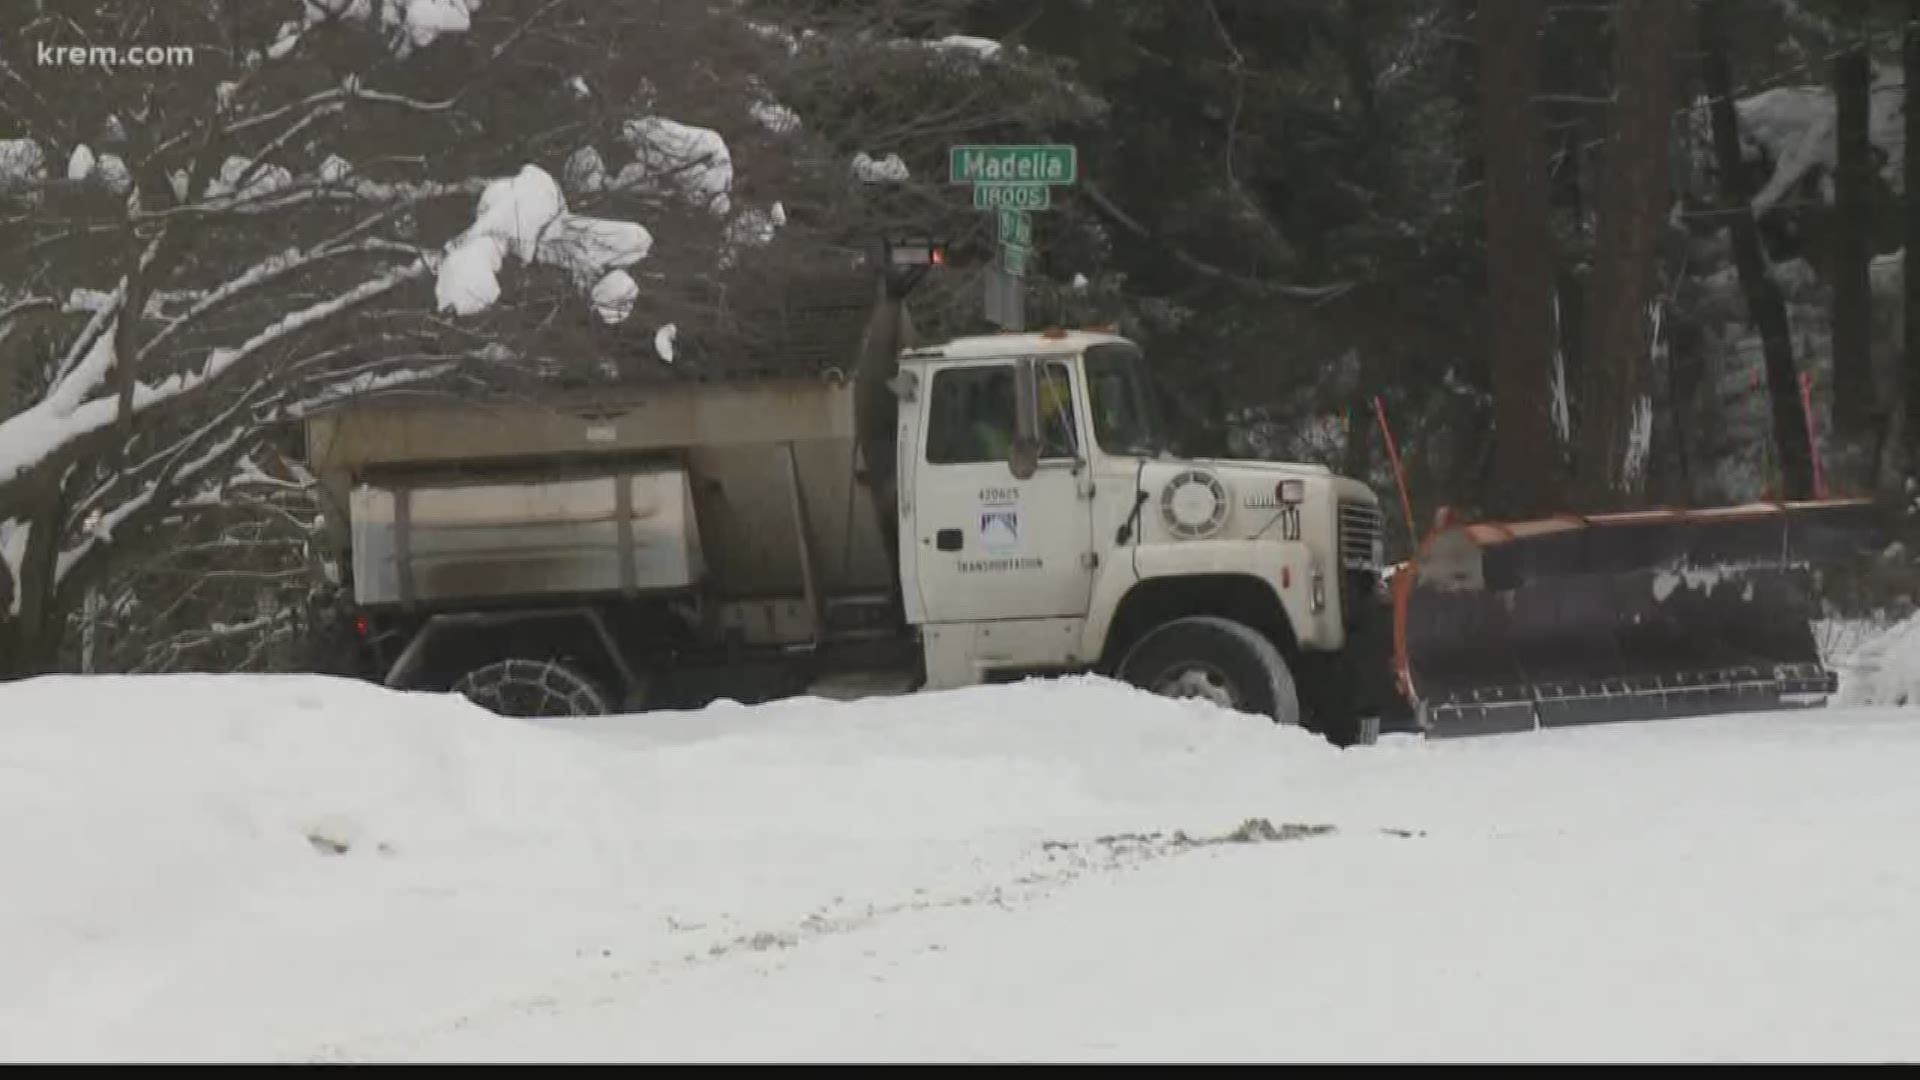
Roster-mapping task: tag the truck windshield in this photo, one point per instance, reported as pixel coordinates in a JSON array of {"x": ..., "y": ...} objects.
[{"x": 1124, "y": 418}]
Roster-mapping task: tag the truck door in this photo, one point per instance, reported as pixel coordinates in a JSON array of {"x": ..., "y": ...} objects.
[{"x": 989, "y": 546}]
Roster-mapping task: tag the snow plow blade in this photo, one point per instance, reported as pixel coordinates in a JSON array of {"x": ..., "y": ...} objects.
[{"x": 1635, "y": 616}]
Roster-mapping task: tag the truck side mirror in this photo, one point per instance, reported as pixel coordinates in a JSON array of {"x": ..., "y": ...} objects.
[
  {"x": 904, "y": 386},
  {"x": 1023, "y": 458}
]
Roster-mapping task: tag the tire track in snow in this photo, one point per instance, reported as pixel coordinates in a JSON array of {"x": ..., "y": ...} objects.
[{"x": 1056, "y": 866}]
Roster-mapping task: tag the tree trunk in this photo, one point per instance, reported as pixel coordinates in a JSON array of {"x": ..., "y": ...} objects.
[
  {"x": 1910, "y": 258},
  {"x": 1519, "y": 259},
  {"x": 1853, "y": 397},
  {"x": 1765, "y": 306},
  {"x": 1616, "y": 430}
]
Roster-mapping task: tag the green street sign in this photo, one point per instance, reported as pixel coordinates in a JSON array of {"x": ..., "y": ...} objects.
[
  {"x": 1054, "y": 164},
  {"x": 1014, "y": 260},
  {"x": 1016, "y": 227},
  {"x": 1012, "y": 196}
]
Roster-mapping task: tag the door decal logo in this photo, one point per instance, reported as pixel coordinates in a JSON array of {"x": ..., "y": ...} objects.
[{"x": 1000, "y": 531}]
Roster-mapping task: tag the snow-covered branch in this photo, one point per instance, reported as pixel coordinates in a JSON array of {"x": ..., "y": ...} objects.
[
  {"x": 166, "y": 654},
  {"x": 270, "y": 269},
  {"x": 101, "y": 529},
  {"x": 32, "y": 437},
  {"x": 96, "y": 335},
  {"x": 15, "y": 309}
]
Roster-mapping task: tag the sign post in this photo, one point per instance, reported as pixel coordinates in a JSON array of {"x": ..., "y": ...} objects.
[{"x": 1012, "y": 181}]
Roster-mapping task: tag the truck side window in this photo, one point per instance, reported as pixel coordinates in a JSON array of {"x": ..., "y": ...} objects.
[
  {"x": 1057, "y": 430},
  {"x": 971, "y": 417}
]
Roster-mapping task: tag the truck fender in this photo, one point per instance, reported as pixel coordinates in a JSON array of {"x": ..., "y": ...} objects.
[{"x": 1243, "y": 580}]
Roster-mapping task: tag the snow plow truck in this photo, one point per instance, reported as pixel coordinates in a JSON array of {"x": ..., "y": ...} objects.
[{"x": 923, "y": 516}]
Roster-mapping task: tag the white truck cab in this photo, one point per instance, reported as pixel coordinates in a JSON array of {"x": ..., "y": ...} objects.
[{"x": 1044, "y": 525}]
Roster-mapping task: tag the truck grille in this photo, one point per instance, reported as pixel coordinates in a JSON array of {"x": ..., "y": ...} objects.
[{"x": 1360, "y": 536}]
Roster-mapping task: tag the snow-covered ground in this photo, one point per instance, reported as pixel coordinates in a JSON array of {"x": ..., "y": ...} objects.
[
  {"x": 1878, "y": 663},
  {"x": 222, "y": 867}
]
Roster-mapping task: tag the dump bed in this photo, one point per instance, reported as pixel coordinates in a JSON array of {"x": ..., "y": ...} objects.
[
  {"x": 745, "y": 490},
  {"x": 632, "y": 531}
]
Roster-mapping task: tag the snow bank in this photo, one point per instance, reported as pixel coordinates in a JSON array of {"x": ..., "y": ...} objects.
[
  {"x": 663, "y": 341},
  {"x": 1878, "y": 664},
  {"x": 239, "y": 866},
  {"x": 218, "y": 867},
  {"x": 165, "y": 862}
]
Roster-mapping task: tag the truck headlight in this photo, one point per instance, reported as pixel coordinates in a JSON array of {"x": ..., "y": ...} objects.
[{"x": 1291, "y": 492}]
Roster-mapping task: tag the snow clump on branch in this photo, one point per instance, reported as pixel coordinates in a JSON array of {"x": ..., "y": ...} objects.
[
  {"x": 23, "y": 166},
  {"x": 526, "y": 216},
  {"x": 694, "y": 159},
  {"x": 106, "y": 169},
  {"x": 409, "y": 24},
  {"x": 871, "y": 170},
  {"x": 1792, "y": 129},
  {"x": 775, "y": 117},
  {"x": 613, "y": 297},
  {"x": 266, "y": 181},
  {"x": 983, "y": 48},
  {"x": 779, "y": 36}
]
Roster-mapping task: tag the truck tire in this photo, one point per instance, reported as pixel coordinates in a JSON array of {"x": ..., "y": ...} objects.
[
  {"x": 533, "y": 689},
  {"x": 1218, "y": 660}
]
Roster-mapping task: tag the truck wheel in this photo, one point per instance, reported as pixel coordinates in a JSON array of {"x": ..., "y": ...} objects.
[
  {"x": 1217, "y": 660},
  {"x": 533, "y": 689}
]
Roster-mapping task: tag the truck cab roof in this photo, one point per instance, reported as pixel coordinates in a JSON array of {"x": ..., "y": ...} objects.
[{"x": 993, "y": 346}]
